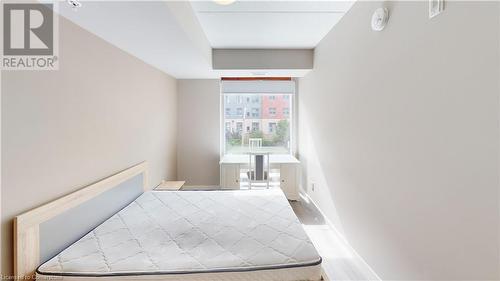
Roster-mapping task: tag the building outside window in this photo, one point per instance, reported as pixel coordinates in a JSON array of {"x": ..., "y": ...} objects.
[
  {"x": 261, "y": 116},
  {"x": 286, "y": 111},
  {"x": 255, "y": 126},
  {"x": 272, "y": 127},
  {"x": 255, "y": 112},
  {"x": 272, "y": 111}
]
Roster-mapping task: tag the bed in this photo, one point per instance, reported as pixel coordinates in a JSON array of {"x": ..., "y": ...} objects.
[{"x": 140, "y": 234}]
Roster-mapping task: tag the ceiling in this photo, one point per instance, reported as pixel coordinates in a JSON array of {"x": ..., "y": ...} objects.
[
  {"x": 149, "y": 30},
  {"x": 177, "y": 37},
  {"x": 268, "y": 24}
]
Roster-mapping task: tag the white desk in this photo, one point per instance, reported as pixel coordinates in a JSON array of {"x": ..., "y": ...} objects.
[{"x": 231, "y": 165}]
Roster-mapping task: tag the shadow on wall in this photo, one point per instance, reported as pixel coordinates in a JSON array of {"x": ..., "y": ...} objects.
[
  {"x": 314, "y": 181},
  {"x": 329, "y": 193},
  {"x": 325, "y": 227},
  {"x": 402, "y": 142}
]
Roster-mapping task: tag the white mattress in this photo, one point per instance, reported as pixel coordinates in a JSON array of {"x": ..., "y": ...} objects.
[{"x": 194, "y": 235}]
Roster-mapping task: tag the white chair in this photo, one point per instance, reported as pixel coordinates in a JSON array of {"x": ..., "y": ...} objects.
[
  {"x": 254, "y": 143},
  {"x": 258, "y": 169}
]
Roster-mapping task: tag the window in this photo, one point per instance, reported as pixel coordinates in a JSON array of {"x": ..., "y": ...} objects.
[
  {"x": 255, "y": 112},
  {"x": 272, "y": 111},
  {"x": 255, "y": 126},
  {"x": 259, "y": 116},
  {"x": 272, "y": 127},
  {"x": 286, "y": 111}
]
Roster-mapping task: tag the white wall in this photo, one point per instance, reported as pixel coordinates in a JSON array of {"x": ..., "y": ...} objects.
[
  {"x": 399, "y": 131},
  {"x": 198, "y": 152},
  {"x": 101, "y": 112}
]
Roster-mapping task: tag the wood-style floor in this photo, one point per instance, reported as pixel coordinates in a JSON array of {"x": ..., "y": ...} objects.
[{"x": 340, "y": 262}]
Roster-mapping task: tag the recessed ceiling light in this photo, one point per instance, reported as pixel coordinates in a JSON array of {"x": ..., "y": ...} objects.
[{"x": 224, "y": 2}]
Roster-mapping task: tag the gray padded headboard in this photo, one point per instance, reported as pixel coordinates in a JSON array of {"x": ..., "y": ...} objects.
[{"x": 59, "y": 232}]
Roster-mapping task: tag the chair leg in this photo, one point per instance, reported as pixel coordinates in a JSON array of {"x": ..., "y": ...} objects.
[
  {"x": 250, "y": 180},
  {"x": 268, "y": 172}
]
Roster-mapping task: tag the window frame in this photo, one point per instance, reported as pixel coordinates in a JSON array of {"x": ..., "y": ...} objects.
[
  {"x": 292, "y": 117},
  {"x": 293, "y": 95}
]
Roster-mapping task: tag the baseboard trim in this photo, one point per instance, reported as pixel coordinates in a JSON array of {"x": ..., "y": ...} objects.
[{"x": 306, "y": 197}]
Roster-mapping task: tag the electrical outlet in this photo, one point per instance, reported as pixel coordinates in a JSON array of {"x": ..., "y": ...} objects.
[{"x": 313, "y": 186}]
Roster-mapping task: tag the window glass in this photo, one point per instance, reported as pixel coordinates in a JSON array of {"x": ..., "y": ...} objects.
[
  {"x": 272, "y": 111},
  {"x": 286, "y": 111},
  {"x": 257, "y": 116}
]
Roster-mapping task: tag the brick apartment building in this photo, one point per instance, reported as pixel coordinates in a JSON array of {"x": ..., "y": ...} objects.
[{"x": 250, "y": 113}]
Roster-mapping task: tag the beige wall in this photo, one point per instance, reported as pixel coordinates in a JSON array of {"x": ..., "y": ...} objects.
[
  {"x": 102, "y": 112},
  {"x": 198, "y": 135},
  {"x": 399, "y": 132}
]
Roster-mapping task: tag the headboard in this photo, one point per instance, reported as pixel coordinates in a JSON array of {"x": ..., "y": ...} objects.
[{"x": 43, "y": 232}]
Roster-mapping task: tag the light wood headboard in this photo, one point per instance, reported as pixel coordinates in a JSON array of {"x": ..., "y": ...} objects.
[{"x": 27, "y": 225}]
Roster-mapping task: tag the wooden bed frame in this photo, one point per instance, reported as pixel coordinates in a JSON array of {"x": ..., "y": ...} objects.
[{"x": 27, "y": 225}]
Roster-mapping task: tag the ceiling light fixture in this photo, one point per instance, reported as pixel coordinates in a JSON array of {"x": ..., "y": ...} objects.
[
  {"x": 224, "y": 2},
  {"x": 379, "y": 19},
  {"x": 74, "y": 4}
]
